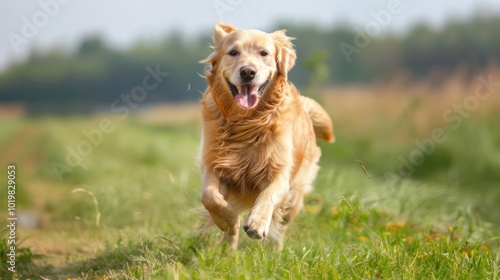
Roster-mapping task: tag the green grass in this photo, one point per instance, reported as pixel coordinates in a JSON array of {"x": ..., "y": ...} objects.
[{"x": 139, "y": 214}]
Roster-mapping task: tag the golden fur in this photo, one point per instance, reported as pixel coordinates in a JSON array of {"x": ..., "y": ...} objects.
[{"x": 258, "y": 148}]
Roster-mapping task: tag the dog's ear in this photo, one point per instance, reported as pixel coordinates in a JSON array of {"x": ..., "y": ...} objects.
[
  {"x": 285, "y": 53},
  {"x": 221, "y": 30}
]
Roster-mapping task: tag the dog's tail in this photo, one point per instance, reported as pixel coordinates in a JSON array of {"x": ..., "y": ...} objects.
[{"x": 323, "y": 126}]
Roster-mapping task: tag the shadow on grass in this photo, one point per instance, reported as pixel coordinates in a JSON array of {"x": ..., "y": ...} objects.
[{"x": 137, "y": 258}]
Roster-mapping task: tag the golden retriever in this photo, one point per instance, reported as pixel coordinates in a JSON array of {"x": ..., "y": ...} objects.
[{"x": 258, "y": 149}]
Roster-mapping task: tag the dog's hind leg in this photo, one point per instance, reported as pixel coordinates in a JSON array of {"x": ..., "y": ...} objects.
[
  {"x": 286, "y": 214},
  {"x": 232, "y": 240},
  {"x": 301, "y": 185}
]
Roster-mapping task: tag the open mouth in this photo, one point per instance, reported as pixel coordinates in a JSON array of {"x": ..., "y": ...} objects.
[{"x": 247, "y": 95}]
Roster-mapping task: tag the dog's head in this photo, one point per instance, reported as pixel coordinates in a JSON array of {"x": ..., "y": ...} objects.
[{"x": 245, "y": 63}]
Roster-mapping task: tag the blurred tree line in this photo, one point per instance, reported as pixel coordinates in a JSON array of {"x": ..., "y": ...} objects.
[{"x": 97, "y": 74}]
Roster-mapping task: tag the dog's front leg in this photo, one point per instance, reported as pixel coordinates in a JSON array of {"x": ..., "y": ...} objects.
[
  {"x": 260, "y": 217},
  {"x": 221, "y": 211}
]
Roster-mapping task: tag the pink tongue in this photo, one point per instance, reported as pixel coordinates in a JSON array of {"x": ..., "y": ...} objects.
[{"x": 248, "y": 96}]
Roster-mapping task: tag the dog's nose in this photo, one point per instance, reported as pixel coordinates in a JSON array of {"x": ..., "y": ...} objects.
[{"x": 247, "y": 73}]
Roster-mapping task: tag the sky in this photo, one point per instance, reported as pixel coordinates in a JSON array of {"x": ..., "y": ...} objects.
[{"x": 27, "y": 25}]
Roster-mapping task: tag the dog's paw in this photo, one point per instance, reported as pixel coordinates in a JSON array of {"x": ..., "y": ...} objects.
[
  {"x": 253, "y": 233},
  {"x": 256, "y": 229}
]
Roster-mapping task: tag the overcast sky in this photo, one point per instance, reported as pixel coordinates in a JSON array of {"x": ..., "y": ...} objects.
[{"x": 39, "y": 24}]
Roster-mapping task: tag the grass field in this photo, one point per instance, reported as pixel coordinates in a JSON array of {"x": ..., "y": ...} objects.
[{"x": 128, "y": 207}]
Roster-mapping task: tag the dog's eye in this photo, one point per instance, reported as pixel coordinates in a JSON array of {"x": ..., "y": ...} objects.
[
  {"x": 233, "y": 53},
  {"x": 264, "y": 53}
]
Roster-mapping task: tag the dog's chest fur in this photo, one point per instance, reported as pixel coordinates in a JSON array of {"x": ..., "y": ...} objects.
[{"x": 249, "y": 157}]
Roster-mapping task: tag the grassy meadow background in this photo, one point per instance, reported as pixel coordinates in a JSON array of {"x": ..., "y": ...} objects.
[
  {"x": 409, "y": 190},
  {"x": 131, "y": 209}
]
